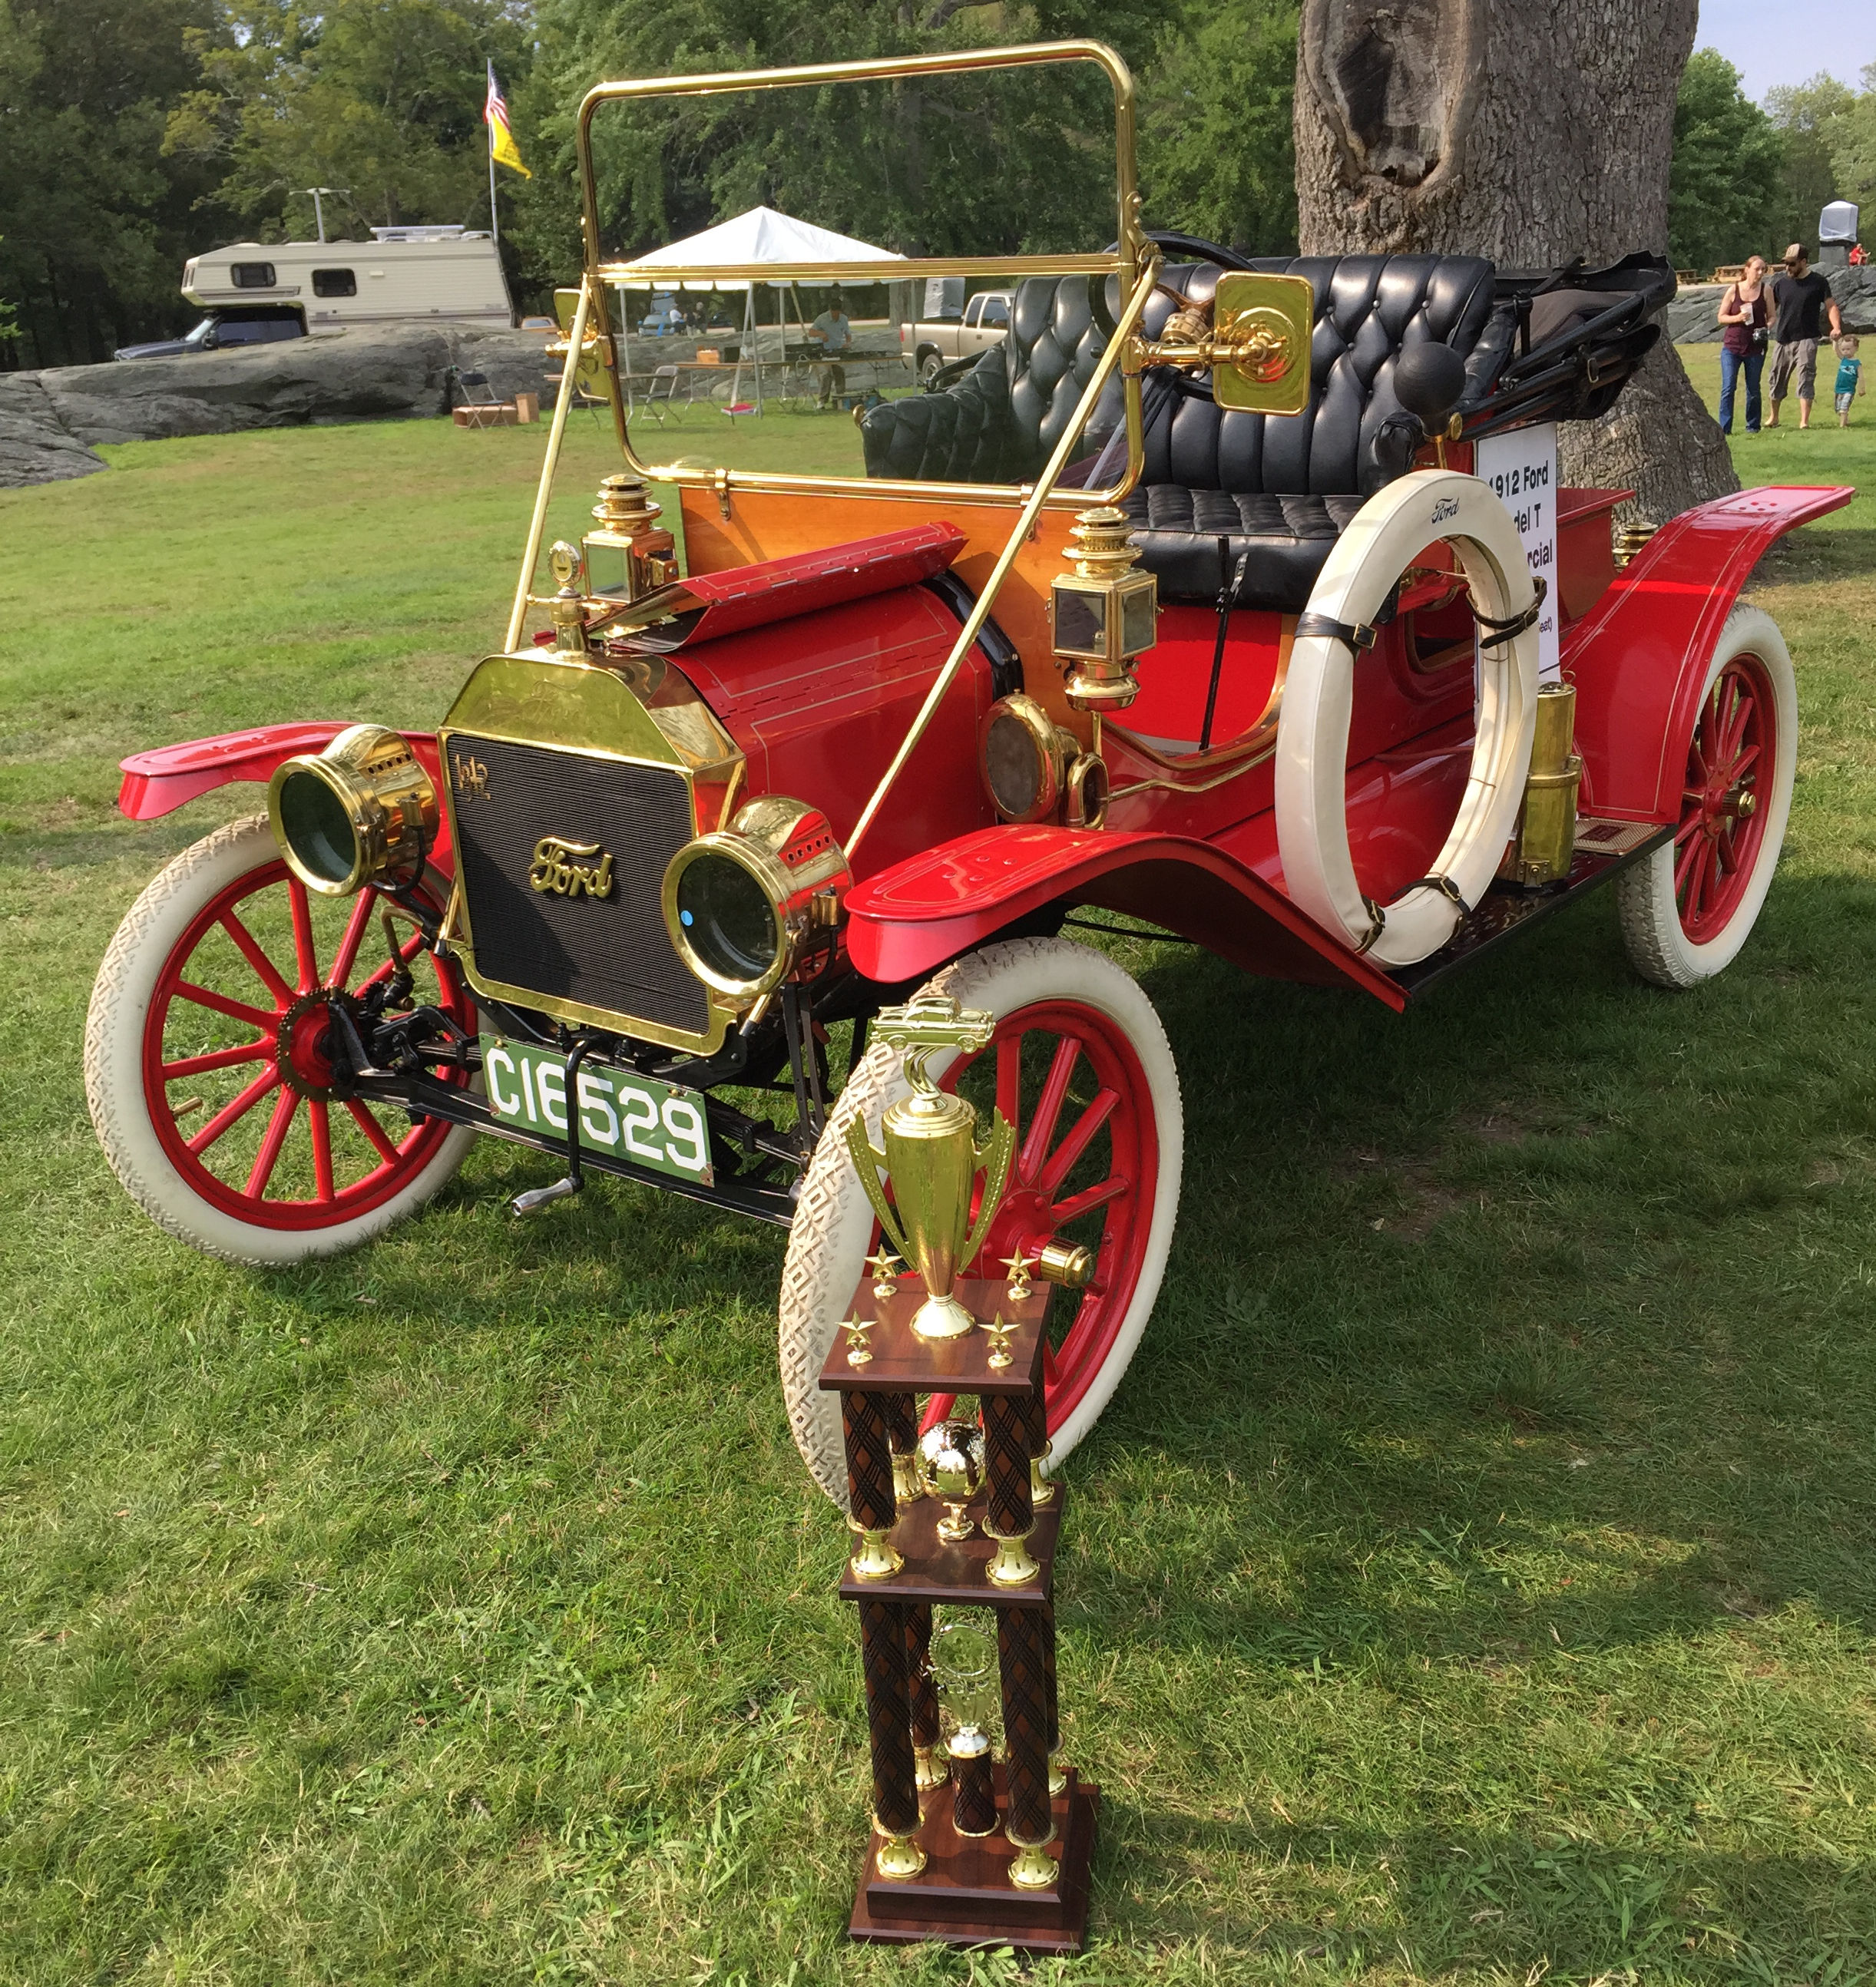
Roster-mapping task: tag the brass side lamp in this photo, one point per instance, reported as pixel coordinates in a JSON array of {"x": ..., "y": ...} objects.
[
  {"x": 630, "y": 554},
  {"x": 1104, "y": 612}
]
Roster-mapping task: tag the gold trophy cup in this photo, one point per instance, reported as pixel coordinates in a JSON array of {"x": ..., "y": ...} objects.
[{"x": 931, "y": 1157}]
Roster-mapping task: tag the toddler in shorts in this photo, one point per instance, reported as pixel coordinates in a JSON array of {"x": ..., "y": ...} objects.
[{"x": 1849, "y": 378}]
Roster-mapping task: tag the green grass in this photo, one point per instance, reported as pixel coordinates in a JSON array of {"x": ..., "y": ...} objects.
[{"x": 1472, "y": 1581}]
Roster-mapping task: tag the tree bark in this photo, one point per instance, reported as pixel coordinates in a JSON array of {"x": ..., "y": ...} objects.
[{"x": 1528, "y": 134}]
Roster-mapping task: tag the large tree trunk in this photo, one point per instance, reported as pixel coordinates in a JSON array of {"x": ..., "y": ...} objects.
[{"x": 1529, "y": 134}]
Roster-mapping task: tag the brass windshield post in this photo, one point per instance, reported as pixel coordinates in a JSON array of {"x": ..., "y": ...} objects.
[{"x": 537, "y": 526}]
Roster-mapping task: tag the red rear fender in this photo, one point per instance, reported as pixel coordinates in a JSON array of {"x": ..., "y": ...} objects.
[
  {"x": 1638, "y": 658},
  {"x": 159, "y": 782},
  {"x": 906, "y": 920}
]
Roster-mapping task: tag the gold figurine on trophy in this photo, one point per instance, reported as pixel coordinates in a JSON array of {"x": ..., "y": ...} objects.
[{"x": 933, "y": 1158}]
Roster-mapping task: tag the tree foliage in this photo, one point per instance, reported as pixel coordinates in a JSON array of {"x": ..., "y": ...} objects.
[
  {"x": 1830, "y": 135},
  {"x": 1724, "y": 192},
  {"x": 143, "y": 131}
]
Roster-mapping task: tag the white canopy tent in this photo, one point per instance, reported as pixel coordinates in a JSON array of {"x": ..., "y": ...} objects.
[{"x": 760, "y": 235}]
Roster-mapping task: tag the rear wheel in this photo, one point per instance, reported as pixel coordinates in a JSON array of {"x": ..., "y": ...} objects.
[
  {"x": 1688, "y": 909},
  {"x": 208, "y": 1065},
  {"x": 1080, "y": 1066}
]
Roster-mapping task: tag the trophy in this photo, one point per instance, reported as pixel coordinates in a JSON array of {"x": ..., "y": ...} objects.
[
  {"x": 950, "y": 1467},
  {"x": 931, "y": 1157},
  {"x": 963, "y": 1660}
]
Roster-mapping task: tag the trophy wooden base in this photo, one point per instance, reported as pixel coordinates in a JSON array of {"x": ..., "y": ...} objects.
[{"x": 963, "y": 1895}]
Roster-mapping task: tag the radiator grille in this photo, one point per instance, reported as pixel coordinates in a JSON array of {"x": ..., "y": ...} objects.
[{"x": 611, "y": 952}]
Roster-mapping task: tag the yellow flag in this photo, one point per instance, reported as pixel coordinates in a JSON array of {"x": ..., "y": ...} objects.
[{"x": 501, "y": 146}]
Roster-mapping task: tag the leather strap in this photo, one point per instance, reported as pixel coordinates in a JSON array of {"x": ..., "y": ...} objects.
[
  {"x": 1446, "y": 888},
  {"x": 1509, "y": 630},
  {"x": 1355, "y": 635}
]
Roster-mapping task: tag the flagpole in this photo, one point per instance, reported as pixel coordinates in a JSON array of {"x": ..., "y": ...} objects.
[{"x": 494, "y": 221}]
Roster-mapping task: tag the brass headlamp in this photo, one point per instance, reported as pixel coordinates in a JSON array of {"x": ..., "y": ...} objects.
[
  {"x": 740, "y": 903},
  {"x": 364, "y": 811}
]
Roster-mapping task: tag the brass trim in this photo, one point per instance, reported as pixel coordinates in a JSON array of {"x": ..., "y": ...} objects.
[
  {"x": 1131, "y": 253},
  {"x": 492, "y": 706}
]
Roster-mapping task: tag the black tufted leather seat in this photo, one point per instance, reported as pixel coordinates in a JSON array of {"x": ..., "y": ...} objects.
[
  {"x": 999, "y": 423},
  {"x": 1282, "y": 488},
  {"x": 1295, "y": 482}
]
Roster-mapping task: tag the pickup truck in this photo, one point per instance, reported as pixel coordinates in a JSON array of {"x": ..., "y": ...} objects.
[{"x": 934, "y": 345}]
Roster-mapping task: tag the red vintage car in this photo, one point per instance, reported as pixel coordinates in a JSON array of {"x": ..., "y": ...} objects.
[{"x": 1236, "y": 599}]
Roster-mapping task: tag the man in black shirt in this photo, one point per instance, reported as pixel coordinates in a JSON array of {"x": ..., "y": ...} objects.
[{"x": 1800, "y": 297}]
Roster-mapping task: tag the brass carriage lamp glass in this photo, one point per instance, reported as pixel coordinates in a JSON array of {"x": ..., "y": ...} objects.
[
  {"x": 1104, "y": 611},
  {"x": 629, "y": 554}
]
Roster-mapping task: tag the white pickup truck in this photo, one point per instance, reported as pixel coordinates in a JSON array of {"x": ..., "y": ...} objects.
[{"x": 985, "y": 319}]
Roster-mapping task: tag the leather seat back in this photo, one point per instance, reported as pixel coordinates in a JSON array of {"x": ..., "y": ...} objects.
[
  {"x": 1369, "y": 310},
  {"x": 999, "y": 422}
]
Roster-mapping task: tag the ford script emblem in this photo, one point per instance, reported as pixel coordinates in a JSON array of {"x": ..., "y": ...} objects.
[
  {"x": 1447, "y": 506},
  {"x": 568, "y": 869}
]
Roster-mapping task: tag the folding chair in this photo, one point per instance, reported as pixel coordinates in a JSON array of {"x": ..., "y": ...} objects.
[{"x": 661, "y": 396}]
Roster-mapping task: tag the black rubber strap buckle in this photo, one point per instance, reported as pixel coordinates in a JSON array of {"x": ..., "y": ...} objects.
[
  {"x": 1509, "y": 631},
  {"x": 1355, "y": 635}
]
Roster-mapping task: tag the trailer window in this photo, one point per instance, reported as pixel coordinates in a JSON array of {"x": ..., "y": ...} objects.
[
  {"x": 334, "y": 283},
  {"x": 253, "y": 275}
]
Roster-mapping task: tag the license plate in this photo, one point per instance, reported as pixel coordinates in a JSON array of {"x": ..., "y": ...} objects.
[{"x": 622, "y": 1115}]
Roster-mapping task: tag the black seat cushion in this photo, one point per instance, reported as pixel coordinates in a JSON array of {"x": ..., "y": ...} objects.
[{"x": 1178, "y": 530}]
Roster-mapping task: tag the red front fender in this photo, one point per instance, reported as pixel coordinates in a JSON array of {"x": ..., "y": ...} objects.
[
  {"x": 906, "y": 920},
  {"x": 159, "y": 782},
  {"x": 1638, "y": 658}
]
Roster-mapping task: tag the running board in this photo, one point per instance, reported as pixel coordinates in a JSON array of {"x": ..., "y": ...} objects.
[{"x": 1603, "y": 848}]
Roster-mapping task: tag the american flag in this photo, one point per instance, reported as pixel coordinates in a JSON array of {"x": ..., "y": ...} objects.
[{"x": 502, "y": 145}]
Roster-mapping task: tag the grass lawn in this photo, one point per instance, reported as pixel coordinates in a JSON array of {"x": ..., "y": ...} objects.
[{"x": 1473, "y": 1579}]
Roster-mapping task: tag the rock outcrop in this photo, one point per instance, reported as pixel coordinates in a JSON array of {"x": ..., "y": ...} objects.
[
  {"x": 1693, "y": 317},
  {"x": 50, "y": 422}
]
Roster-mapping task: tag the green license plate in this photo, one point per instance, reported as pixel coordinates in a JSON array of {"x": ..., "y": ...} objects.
[{"x": 622, "y": 1115}]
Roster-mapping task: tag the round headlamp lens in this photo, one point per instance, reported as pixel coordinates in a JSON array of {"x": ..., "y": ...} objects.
[
  {"x": 317, "y": 828},
  {"x": 728, "y": 922},
  {"x": 1013, "y": 765}
]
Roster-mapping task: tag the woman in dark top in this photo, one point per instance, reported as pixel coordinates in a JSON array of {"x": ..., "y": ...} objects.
[{"x": 1745, "y": 311}]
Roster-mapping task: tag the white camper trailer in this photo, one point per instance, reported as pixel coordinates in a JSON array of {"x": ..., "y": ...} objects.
[{"x": 405, "y": 275}]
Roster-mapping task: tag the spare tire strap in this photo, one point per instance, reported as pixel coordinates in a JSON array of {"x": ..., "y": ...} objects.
[
  {"x": 1355, "y": 635},
  {"x": 1447, "y": 889},
  {"x": 1510, "y": 630}
]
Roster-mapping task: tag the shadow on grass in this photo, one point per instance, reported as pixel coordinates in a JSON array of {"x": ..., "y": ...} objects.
[{"x": 1496, "y": 1901}]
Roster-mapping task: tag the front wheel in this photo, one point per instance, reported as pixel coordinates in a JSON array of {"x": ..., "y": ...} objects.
[
  {"x": 1687, "y": 909},
  {"x": 207, "y": 1063},
  {"x": 1080, "y": 1066}
]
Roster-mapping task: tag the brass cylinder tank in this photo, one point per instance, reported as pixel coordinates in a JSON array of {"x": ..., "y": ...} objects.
[{"x": 1545, "y": 842}]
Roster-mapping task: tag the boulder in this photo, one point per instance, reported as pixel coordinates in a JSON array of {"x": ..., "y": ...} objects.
[
  {"x": 35, "y": 445},
  {"x": 50, "y": 421}
]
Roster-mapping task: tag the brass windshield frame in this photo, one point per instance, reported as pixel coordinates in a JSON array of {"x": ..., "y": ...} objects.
[{"x": 1125, "y": 261}]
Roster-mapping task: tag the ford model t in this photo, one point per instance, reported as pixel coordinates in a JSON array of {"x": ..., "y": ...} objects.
[{"x": 1238, "y": 598}]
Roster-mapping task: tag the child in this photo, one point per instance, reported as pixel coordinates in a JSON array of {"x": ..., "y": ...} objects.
[{"x": 1849, "y": 377}]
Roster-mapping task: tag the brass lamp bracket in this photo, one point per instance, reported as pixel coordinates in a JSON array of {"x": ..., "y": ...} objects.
[{"x": 1254, "y": 341}]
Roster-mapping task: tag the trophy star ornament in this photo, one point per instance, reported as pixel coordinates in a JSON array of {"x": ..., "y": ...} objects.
[{"x": 932, "y": 1158}]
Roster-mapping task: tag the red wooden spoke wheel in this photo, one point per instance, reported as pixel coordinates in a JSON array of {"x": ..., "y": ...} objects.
[
  {"x": 1079, "y": 1064},
  {"x": 1716, "y": 845},
  {"x": 1687, "y": 907},
  {"x": 211, "y": 1060},
  {"x": 1068, "y": 1079}
]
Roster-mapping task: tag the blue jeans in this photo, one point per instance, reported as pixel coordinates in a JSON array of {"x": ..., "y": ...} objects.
[{"x": 1731, "y": 365}]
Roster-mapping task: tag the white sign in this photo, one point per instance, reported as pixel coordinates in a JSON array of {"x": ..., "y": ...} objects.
[{"x": 1521, "y": 470}]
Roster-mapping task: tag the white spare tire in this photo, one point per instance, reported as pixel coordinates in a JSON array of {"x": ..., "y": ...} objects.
[{"x": 1312, "y": 728}]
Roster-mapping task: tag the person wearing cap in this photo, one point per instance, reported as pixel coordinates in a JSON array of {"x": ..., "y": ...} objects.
[{"x": 1801, "y": 299}]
